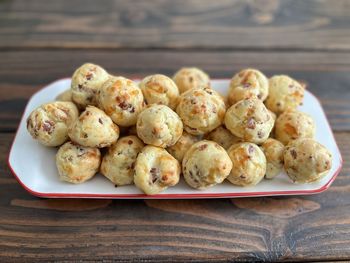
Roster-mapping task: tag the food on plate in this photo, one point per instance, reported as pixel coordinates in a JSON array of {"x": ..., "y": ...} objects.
[
  {"x": 159, "y": 125},
  {"x": 188, "y": 78},
  {"x": 222, "y": 136},
  {"x": 122, "y": 100},
  {"x": 93, "y": 128},
  {"x": 249, "y": 164},
  {"x": 294, "y": 124},
  {"x": 160, "y": 89},
  {"x": 306, "y": 160},
  {"x": 284, "y": 93},
  {"x": 246, "y": 84},
  {"x": 249, "y": 120},
  {"x": 179, "y": 149},
  {"x": 155, "y": 170},
  {"x": 205, "y": 164},
  {"x": 77, "y": 164},
  {"x": 118, "y": 163},
  {"x": 201, "y": 110},
  {"x": 65, "y": 95},
  {"x": 86, "y": 81},
  {"x": 49, "y": 123},
  {"x": 273, "y": 150}
]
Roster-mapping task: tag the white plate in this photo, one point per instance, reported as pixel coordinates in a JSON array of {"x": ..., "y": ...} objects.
[{"x": 34, "y": 165}]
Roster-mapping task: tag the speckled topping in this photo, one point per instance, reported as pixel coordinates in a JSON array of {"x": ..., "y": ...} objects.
[
  {"x": 273, "y": 151},
  {"x": 222, "y": 136},
  {"x": 188, "y": 78},
  {"x": 94, "y": 128},
  {"x": 159, "y": 125},
  {"x": 201, "y": 110},
  {"x": 49, "y": 123},
  {"x": 122, "y": 100},
  {"x": 86, "y": 81},
  {"x": 179, "y": 149},
  {"x": 205, "y": 164},
  {"x": 118, "y": 163},
  {"x": 77, "y": 164},
  {"x": 284, "y": 93},
  {"x": 160, "y": 89},
  {"x": 248, "y": 83},
  {"x": 306, "y": 160},
  {"x": 249, "y": 120},
  {"x": 249, "y": 164},
  {"x": 156, "y": 170},
  {"x": 292, "y": 125}
]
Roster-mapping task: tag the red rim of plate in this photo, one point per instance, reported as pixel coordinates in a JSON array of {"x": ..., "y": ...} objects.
[{"x": 174, "y": 196}]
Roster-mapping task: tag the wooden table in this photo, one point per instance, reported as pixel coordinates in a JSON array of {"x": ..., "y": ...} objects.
[{"x": 41, "y": 41}]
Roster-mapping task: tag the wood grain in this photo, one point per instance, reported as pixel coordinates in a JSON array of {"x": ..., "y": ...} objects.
[
  {"x": 240, "y": 24},
  {"x": 247, "y": 229},
  {"x": 326, "y": 74}
]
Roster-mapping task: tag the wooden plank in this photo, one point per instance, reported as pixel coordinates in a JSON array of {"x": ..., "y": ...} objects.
[
  {"x": 269, "y": 24},
  {"x": 24, "y": 72},
  {"x": 295, "y": 228}
]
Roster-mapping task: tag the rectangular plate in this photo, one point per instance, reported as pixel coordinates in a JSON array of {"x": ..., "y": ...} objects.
[{"x": 34, "y": 164}]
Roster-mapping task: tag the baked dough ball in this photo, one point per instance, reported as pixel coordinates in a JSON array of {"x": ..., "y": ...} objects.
[
  {"x": 249, "y": 164},
  {"x": 294, "y": 124},
  {"x": 160, "y": 89},
  {"x": 306, "y": 160},
  {"x": 201, "y": 110},
  {"x": 273, "y": 151},
  {"x": 122, "y": 100},
  {"x": 159, "y": 125},
  {"x": 86, "y": 81},
  {"x": 77, "y": 164},
  {"x": 94, "y": 128},
  {"x": 248, "y": 83},
  {"x": 205, "y": 164},
  {"x": 188, "y": 78},
  {"x": 222, "y": 136},
  {"x": 49, "y": 123},
  {"x": 284, "y": 93},
  {"x": 249, "y": 120},
  {"x": 156, "y": 170},
  {"x": 65, "y": 95},
  {"x": 118, "y": 163},
  {"x": 179, "y": 149}
]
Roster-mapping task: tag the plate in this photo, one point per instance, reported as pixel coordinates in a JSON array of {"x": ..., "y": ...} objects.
[{"x": 34, "y": 164}]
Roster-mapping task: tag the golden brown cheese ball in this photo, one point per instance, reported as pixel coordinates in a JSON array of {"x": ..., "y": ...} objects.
[
  {"x": 49, "y": 123},
  {"x": 248, "y": 83},
  {"x": 156, "y": 170},
  {"x": 306, "y": 160},
  {"x": 273, "y": 151},
  {"x": 159, "y": 125},
  {"x": 160, "y": 89},
  {"x": 249, "y": 120},
  {"x": 188, "y": 78},
  {"x": 179, "y": 149},
  {"x": 77, "y": 164},
  {"x": 65, "y": 95},
  {"x": 205, "y": 164},
  {"x": 284, "y": 93},
  {"x": 294, "y": 124},
  {"x": 122, "y": 100},
  {"x": 201, "y": 110},
  {"x": 118, "y": 163},
  {"x": 86, "y": 81},
  {"x": 223, "y": 137},
  {"x": 93, "y": 128},
  {"x": 249, "y": 164}
]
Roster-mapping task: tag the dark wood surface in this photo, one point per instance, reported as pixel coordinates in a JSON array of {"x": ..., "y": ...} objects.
[{"x": 41, "y": 41}]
